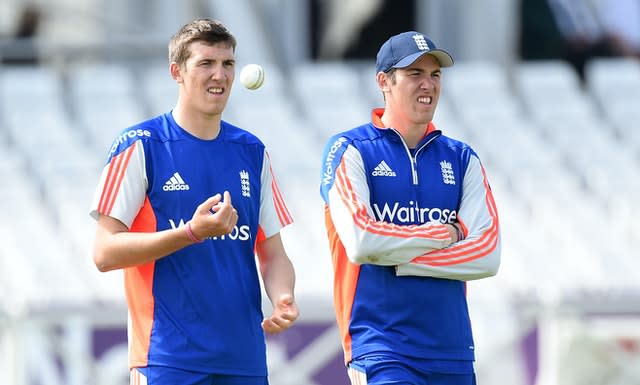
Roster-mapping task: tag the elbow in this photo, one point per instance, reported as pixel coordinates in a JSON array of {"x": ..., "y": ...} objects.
[
  {"x": 491, "y": 261},
  {"x": 103, "y": 268},
  {"x": 102, "y": 262},
  {"x": 492, "y": 266},
  {"x": 361, "y": 257},
  {"x": 358, "y": 256},
  {"x": 357, "y": 259},
  {"x": 495, "y": 266},
  {"x": 495, "y": 260},
  {"x": 491, "y": 272},
  {"x": 100, "y": 265},
  {"x": 485, "y": 273},
  {"x": 489, "y": 268}
]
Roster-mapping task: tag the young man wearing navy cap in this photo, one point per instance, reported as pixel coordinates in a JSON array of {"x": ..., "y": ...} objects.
[{"x": 410, "y": 218}]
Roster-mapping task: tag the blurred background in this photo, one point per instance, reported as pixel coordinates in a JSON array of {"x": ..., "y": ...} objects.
[{"x": 546, "y": 91}]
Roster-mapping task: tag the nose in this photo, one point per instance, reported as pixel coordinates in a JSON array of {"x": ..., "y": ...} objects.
[
  {"x": 428, "y": 83},
  {"x": 217, "y": 73}
]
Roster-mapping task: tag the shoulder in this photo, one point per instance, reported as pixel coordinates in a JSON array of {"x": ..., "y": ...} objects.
[
  {"x": 363, "y": 133},
  {"x": 338, "y": 143},
  {"x": 455, "y": 145},
  {"x": 151, "y": 129},
  {"x": 235, "y": 134}
]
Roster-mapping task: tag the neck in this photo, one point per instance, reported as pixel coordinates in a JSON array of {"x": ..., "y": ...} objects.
[
  {"x": 412, "y": 133},
  {"x": 200, "y": 125}
]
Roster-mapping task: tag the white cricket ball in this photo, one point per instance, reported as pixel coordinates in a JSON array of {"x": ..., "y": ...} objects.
[{"x": 252, "y": 76}]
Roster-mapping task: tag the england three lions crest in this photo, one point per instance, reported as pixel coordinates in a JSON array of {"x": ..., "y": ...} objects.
[
  {"x": 447, "y": 172},
  {"x": 244, "y": 184}
]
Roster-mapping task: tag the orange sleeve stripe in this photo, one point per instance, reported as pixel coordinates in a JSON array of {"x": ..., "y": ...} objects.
[
  {"x": 463, "y": 255},
  {"x": 482, "y": 246},
  {"x": 283, "y": 213},
  {"x": 364, "y": 222},
  {"x": 488, "y": 237},
  {"x": 281, "y": 208},
  {"x": 117, "y": 169},
  {"x": 411, "y": 231},
  {"x": 474, "y": 250},
  {"x": 468, "y": 259},
  {"x": 111, "y": 187},
  {"x": 259, "y": 238},
  {"x": 108, "y": 185}
]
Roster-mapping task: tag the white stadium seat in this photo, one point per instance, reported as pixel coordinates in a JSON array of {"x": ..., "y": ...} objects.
[
  {"x": 105, "y": 100},
  {"x": 560, "y": 161}
]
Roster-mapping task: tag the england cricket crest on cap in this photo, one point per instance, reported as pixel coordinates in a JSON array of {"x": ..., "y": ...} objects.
[
  {"x": 244, "y": 184},
  {"x": 447, "y": 172},
  {"x": 421, "y": 42}
]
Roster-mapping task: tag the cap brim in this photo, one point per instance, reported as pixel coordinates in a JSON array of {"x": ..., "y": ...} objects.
[{"x": 443, "y": 57}]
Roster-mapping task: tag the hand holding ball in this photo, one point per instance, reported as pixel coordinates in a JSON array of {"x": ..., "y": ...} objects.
[{"x": 252, "y": 76}]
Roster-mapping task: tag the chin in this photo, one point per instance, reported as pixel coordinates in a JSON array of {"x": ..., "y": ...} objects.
[
  {"x": 215, "y": 110},
  {"x": 426, "y": 118}
]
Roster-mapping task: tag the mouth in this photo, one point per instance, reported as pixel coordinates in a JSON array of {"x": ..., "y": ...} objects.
[
  {"x": 215, "y": 90},
  {"x": 428, "y": 100}
]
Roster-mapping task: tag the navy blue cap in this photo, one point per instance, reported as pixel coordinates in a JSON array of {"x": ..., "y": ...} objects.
[{"x": 403, "y": 49}]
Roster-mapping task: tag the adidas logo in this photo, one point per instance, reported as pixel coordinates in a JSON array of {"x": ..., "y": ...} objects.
[
  {"x": 175, "y": 183},
  {"x": 383, "y": 169}
]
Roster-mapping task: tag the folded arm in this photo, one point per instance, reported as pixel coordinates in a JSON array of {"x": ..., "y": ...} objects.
[
  {"x": 365, "y": 239},
  {"x": 478, "y": 254}
]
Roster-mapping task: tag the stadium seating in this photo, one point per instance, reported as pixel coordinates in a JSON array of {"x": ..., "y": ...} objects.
[
  {"x": 555, "y": 150},
  {"x": 317, "y": 86},
  {"x": 158, "y": 90},
  {"x": 614, "y": 84},
  {"x": 102, "y": 99},
  {"x": 562, "y": 154}
]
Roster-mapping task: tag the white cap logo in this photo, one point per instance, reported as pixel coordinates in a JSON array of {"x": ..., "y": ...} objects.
[{"x": 420, "y": 42}]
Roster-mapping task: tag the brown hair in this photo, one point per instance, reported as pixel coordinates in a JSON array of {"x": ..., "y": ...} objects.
[{"x": 206, "y": 30}]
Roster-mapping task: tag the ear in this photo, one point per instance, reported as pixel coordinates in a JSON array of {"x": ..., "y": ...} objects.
[
  {"x": 383, "y": 81},
  {"x": 176, "y": 72}
]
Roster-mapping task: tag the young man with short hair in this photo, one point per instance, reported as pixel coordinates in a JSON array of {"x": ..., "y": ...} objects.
[
  {"x": 165, "y": 215},
  {"x": 410, "y": 218}
]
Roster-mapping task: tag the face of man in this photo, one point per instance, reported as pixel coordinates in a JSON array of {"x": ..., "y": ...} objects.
[
  {"x": 412, "y": 92},
  {"x": 206, "y": 78}
]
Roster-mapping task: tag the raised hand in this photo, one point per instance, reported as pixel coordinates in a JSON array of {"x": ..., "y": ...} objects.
[{"x": 214, "y": 217}]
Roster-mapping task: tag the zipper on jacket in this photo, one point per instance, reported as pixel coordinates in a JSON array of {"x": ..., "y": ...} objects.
[{"x": 413, "y": 158}]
